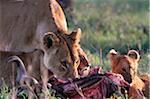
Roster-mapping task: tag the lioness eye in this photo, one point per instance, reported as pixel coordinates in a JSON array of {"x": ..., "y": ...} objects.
[
  {"x": 64, "y": 63},
  {"x": 64, "y": 66}
]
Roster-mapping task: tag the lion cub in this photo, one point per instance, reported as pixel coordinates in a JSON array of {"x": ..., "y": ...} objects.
[{"x": 127, "y": 66}]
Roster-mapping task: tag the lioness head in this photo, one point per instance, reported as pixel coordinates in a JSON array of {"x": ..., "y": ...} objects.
[
  {"x": 61, "y": 53},
  {"x": 125, "y": 65}
]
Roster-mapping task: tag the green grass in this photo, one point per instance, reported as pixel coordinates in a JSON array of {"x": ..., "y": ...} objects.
[
  {"x": 144, "y": 66},
  {"x": 94, "y": 59},
  {"x": 4, "y": 92},
  {"x": 108, "y": 24}
]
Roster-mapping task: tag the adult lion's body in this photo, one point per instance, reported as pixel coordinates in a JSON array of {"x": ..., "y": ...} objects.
[
  {"x": 25, "y": 22},
  {"x": 40, "y": 24}
]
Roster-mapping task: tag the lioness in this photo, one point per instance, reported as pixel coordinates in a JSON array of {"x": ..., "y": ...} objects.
[
  {"x": 52, "y": 57},
  {"x": 24, "y": 23},
  {"x": 127, "y": 65},
  {"x": 40, "y": 24}
]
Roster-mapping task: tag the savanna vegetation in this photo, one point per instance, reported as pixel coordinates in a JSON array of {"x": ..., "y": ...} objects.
[{"x": 108, "y": 24}]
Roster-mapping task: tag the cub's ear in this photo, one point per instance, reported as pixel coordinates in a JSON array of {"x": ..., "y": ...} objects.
[
  {"x": 75, "y": 36},
  {"x": 134, "y": 55},
  {"x": 49, "y": 40},
  {"x": 112, "y": 54}
]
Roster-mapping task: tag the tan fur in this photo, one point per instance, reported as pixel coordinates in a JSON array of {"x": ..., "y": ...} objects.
[
  {"x": 127, "y": 65},
  {"x": 62, "y": 58},
  {"x": 84, "y": 67},
  {"x": 146, "y": 79},
  {"x": 25, "y": 22},
  {"x": 40, "y": 24}
]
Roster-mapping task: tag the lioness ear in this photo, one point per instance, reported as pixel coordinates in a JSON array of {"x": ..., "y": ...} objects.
[
  {"x": 134, "y": 54},
  {"x": 76, "y": 35},
  {"x": 58, "y": 16},
  {"x": 49, "y": 40},
  {"x": 112, "y": 54}
]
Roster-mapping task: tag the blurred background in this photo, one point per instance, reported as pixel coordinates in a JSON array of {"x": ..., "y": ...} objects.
[{"x": 107, "y": 24}]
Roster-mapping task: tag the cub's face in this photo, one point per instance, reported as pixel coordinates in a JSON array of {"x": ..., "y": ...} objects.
[
  {"x": 61, "y": 55},
  {"x": 126, "y": 65}
]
